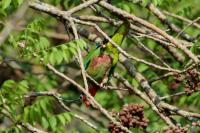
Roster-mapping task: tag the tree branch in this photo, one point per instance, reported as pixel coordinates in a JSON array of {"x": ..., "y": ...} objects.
[{"x": 150, "y": 26}]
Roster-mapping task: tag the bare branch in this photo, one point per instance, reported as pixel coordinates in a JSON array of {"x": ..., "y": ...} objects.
[
  {"x": 60, "y": 101},
  {"x": 79, "y": 54},
  {"x": 164, "y": 19},
  {"x": 121, "y": 50},
  {"x": 91, "y": 99},
  {"x": 181, "y": 18},
  {"x": 150, "y": 26}
]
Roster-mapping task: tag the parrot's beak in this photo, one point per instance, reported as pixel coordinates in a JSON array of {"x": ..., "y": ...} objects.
[{"x": 103, "y": 46}]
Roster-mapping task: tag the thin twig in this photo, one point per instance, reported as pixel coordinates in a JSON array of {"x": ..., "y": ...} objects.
[
  {"x": 164, "y": 19},
  {"x": 144, "y": 33},
  {"x": 151, "y": 52},
  {"x": 150, "y": 26},
  {"x": 121, "y": 50},
  {"x": 90, "y": 98},
  {"x": 145, "y": 98},
  {"x": 176, "y": 94},
  {"x": 19, "y": 124},
  {"x": 58, "y": 13},
  {"x": 194, "y": 21},
  {"x": 60, "y": 101},
  {"x": 181, "y": 18},
  {"x": 79, "y": 54},
  {"x": 80, "y": 7},
  {"x": 153, "y": 95}
]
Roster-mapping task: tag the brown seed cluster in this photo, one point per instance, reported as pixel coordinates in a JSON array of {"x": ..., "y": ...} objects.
[
  {"x": 130, "y": 116},
  {"x": 177, "y": 129},
  {"x": 192, "y": 81}
]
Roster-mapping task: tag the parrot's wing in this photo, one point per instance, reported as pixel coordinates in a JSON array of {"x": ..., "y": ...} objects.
[
  {"x": 94, "y": 52},
  {"x": 118, "y": 38}
]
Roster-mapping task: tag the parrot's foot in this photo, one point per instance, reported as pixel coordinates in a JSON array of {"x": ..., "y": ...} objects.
[{"x": 103, "y": 85}]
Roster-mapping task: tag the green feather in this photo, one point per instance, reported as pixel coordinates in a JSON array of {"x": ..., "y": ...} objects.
[
  {"x": 99, "y": 66},
  {"x": 94, "y": 52},
  {"x": 118, "y": 38}
]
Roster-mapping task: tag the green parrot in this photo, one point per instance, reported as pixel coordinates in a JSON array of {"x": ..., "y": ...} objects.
[{"x": 101, "y": 61}]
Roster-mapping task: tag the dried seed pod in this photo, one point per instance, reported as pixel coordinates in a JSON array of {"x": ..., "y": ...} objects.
[
  {"x": 177, "y": 129},
  {"x": 130, "y": 116}
]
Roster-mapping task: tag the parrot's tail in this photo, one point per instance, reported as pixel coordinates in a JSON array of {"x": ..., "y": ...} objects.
[{"x": 92, "y": 91}]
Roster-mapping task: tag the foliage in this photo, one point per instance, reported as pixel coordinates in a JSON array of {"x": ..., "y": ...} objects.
[{"x": 27, "y": 51}]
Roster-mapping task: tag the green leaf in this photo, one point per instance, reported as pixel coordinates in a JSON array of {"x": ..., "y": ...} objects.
[
  {"x": 81, "y": 43},
  {"x": 13, "y": 41},
  {"x": 16, "y": 130},
  {"x": 8, "y": 84},
  {"x": 67, "y": 116},
  {"x": 43, "y": 104},
  {"x": 43, "y": 43},
  {"x": 25, "y": 114},
  {"x": 31, "y": 115},
  {"x": 53, "y": 122},
  {"x": 126, "y": 8},
  {"x": 65, "y": 53},
  {"x": 23, "y": 83},
  {"x": 61, "y": 119},
  {"x": 155, "y": 2},
  {"x": 142, "y": 67},
  {"x": 64, "y": 47},
  {"x": 57, "y": 2},
  {"x": 151, "y": 44},
  {"x": 1, "y": 59},
  {"x": 5, "y": 3},
  {"x": 52, "y": 57},
  {"x": 72, "y": 50},
  {"x": 45, "y": 57},
  {"x": 145, "y": 2},
  {"x": 104, "y": 130},
  {"x": 23, "y": 86},
  {"x": 44, "y": 122},
  {"x": 182, "y": 100},
  {"x": 66, "y": 56},
  {"x": 20, "y": 2},
  {"x": 58, "y": 56}
]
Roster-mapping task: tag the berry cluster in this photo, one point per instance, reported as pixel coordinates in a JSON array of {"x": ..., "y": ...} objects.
[
  {"x": 130, "y": 116},
  {"x": 192, "y": 81},
  {"x": 177, "y": 129}
]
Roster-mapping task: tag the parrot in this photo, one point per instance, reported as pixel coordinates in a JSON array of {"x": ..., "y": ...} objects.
[{"x": 101, "y": 61}]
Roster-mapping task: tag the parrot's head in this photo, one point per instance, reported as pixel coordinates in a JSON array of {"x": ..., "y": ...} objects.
[{"x": 99, "y": 45}]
